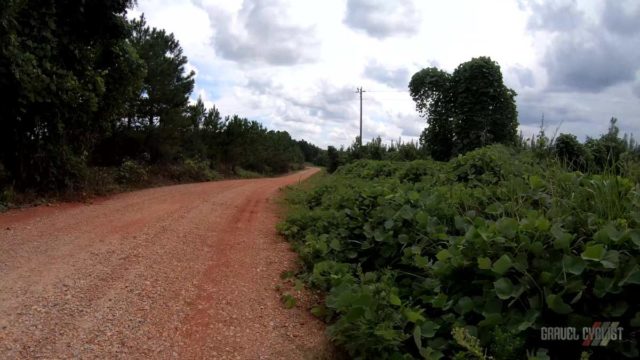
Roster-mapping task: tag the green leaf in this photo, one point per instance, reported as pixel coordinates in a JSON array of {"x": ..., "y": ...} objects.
[
  {"x": 484, "y": 263},
  {"x": 431, "y": 354},
  {"x": 594, "y": 252},
  {"x": 504, "y": 288},
  {"x": 634, "y": 235},
  {"x": 491, "y": 320},
  {"x": 573, "y": 264},
  {"x": 414, "y": 196},
  {"x": 601, "y": 286},
  {"x": 413, "y": 316},
  {"x": 394, "y": 300},
  {"x": 417, "y": 336},
  {"x": 631, "y": 277},
  {"x": 611, "y": 259},
  {"x": 422, "y": 217},
  {"x": 443, "y": 255},
  {"x": 536, "y": 182},
  {"x": 562, "y": 239},
  {"x": 617, "y": 309},
  {"x": 439, "y": 301},
  {"x": 495, "y": 209},
  {"x": 429, "y": 329},
  {"x": 508, "y": 227},
  {"x": 502, "y": 265},
  {"x": 558, "y": 305},
  {"x": 388, "y": 224},
  {"x": 543, "y": 224},
  {"x": 465, "y": 305}
]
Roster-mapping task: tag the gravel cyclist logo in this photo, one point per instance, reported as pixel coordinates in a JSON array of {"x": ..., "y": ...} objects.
[{"x": 599, "y": 334}]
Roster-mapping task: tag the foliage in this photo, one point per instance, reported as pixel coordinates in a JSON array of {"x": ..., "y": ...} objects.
[
  {"x": 190, "y": 170},
  {"x": 132, "y": 173},
  {"x": 333, "y": 159},
  {"x": 465, "y": 110},
  {"x": 571, "y": 152},
  {"x": 59, "y": 64},
  {"x": 431, "y": 90},
  {"x": 494, "y": 242},
  {"x": 88, "y": 89}
]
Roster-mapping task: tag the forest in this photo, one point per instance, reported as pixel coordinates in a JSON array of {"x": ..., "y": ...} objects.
[{"x": 95, "y": 102}]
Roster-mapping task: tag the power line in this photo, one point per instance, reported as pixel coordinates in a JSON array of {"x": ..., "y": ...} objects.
[{"x": 388, "y": 91}]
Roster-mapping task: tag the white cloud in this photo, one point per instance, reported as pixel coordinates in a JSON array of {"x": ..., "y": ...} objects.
[{"x": 295, "y": 65}]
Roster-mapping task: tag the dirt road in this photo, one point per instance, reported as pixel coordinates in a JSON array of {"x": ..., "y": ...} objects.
[{"x": 184, "y": 271}]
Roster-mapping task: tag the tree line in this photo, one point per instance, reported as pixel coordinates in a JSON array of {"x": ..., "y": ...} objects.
[
  {"x": 471, "y": 108},
  {"x": 84, "y": 87}
]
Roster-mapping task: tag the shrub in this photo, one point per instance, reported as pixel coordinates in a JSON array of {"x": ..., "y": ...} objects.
[
  {"x": 491, "y": 242},
  {"x": 571, "y": 152},
  {"x": 190, "y": 170},
  {"x": 132, "y": 173}
]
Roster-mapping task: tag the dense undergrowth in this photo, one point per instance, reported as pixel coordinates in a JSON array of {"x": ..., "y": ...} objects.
[
  {"x": 470, "y": 258},
  {"x": 131, "y": 175}
]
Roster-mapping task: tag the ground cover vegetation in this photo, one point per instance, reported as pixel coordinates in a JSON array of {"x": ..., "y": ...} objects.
[
  {"x": 468, "y": 257},
  {"x": 92, "y": 101}
]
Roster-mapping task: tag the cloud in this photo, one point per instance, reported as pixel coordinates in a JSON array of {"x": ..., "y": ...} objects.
[
  {"x": 622, "y": 17},
  {"x": 523, "y": 75},
  {"x": 261, "y": 33},
  {"x": 578, "y": 113},
  {"x": 393, "y": 77},
  {"x": 636, "y": 88},
  {"x": 410, "y": 124},
  {"x": 587, "y": 54},
  {"x": 554, "y": 16},
  {"x": 589, "y": 61},
  {"x": 294, "y": 66},
  {"x": 381, "y": 18}
]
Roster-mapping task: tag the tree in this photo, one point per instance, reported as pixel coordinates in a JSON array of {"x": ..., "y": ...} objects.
[
  {"x": 333, "y": 159},
  {"x": 56, "y": 74},
  {"x": 161, "y": 104},
  {"x": 430, "y": 89},
  {"x": 570, "y": 151},
  {"x": 484, "y": 109},
  {"x": 607, "y": 150},
  {"x": 465, "y": 110}
]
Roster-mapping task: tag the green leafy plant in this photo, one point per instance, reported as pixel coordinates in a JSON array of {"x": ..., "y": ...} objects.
[{"x": 494, "y": 242}]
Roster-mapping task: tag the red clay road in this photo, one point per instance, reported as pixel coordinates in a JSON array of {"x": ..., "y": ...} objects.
[{"x": 184, "y": 272}]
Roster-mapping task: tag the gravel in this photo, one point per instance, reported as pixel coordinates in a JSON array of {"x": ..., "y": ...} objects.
[{"x": 179, "y": 272}]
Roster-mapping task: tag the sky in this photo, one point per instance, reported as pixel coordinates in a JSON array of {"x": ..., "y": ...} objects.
[{"x": 295, "y": 65}]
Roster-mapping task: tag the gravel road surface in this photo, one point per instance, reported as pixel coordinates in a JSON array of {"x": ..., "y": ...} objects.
[{"x": 184, "y": 272}]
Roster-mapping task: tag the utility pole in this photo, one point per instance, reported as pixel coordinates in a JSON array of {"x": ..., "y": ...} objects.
[{"x": 360, "y": 91}]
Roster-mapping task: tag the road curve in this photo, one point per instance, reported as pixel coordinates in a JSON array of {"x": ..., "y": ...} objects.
[{"x": 184, "y": 272}]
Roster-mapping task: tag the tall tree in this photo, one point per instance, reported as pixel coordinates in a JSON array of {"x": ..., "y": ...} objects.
[
  {"x": 430, "y": 88},
  {"x": 467, "y": 109},
  {"x": 484, "y": 109},
  {"x": 55, "y": 60},
  {"x": 162, "y": 102}
]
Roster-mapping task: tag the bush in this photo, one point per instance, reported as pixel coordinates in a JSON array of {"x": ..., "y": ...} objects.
[
  {"x": 491, "y": 243},
  {"x": 571, "y": 152},
  {"x": 132, "y": 173},
  {"x": 102, "y": 180},
  {"x": 189, "y": 170}
]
